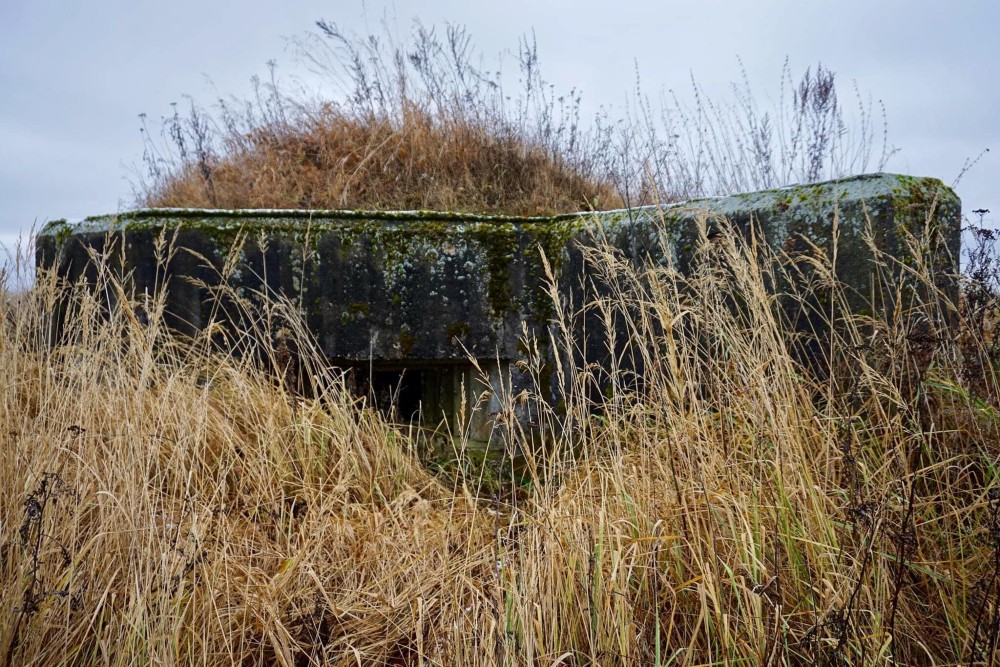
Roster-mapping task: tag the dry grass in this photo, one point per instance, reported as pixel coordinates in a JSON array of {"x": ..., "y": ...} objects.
[
  {"x": 418, "y": 126},
  {"x": 331, "y": 159},
  {"x": 170, "y": 504},
  {"x": 423, "y": 124}
]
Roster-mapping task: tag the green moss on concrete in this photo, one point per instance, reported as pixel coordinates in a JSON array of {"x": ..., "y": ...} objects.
[
  {"x": 60, "y": 230},
  {"x": 914, "y": 200},
  {"x": 457, "y": 330},
  {"x": 406, "y": 342},
  {"x": 358, "y": 309},
  {"x": 499, "y": 253}
]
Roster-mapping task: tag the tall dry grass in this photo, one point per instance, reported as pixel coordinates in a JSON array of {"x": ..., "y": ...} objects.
[
  {"x": 169, "y": 503},
  {"x": 422, "y": 123}
]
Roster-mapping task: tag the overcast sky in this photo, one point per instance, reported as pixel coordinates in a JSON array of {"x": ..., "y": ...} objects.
[{"x": 74, "y": 76}]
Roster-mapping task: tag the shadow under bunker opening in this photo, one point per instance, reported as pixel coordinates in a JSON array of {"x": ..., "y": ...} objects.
[{"x": 448, "y": 399}]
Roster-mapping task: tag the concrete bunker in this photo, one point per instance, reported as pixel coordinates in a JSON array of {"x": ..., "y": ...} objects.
[{"x": 408, "y": 300}]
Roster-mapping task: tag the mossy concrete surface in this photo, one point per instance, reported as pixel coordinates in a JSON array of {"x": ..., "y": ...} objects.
[{"x": 429, "y": 287}]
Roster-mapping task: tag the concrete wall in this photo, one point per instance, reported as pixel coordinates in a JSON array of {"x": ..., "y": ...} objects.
[{"x": 426, "y": 291}]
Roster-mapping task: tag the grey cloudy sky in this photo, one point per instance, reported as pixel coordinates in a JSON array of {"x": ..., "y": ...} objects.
[{"x": 74, "y": 76}]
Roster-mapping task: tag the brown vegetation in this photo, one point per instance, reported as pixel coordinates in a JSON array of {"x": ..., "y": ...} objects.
[
  {"x": 332, "y": 160},
  {"x": 422, "y": 126},
  {"x": 170, "y": 503}
]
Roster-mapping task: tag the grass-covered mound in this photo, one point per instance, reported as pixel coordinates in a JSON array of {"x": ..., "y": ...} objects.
[
  {"x": 423, "y": 123},
  {"x": 416, "y": 126}
]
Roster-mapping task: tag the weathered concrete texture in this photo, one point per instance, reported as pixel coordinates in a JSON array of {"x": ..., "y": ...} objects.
[
  {"x": 400, "y": 286},
  {"x": 425, "y": 290}
]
